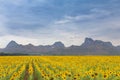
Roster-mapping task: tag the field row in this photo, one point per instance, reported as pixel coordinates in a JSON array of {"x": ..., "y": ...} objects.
[{"x": 59, "y": 68}]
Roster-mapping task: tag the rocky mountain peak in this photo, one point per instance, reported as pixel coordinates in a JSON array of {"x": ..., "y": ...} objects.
[
  {"x": 58, "y": 45},
  {"x": 88, "y": 41},
  {"x": 12, "y": 44}
]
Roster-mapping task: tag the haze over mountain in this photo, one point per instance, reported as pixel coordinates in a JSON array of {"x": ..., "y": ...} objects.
[{"x": 89, "y": 47}]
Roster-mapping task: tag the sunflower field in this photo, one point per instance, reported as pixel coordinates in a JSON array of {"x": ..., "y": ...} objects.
[{"x": 59, "y": 67}]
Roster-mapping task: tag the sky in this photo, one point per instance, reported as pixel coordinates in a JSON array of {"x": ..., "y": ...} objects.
[{"x": 43, "y": 22}]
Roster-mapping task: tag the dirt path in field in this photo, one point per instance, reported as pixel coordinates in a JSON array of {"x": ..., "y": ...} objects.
[
  {"x": 34, "y": 73},
  {"x": 26, "y": 73}
]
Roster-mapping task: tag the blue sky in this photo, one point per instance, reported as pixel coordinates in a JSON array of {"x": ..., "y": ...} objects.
[{"x": 69, "y": 21}]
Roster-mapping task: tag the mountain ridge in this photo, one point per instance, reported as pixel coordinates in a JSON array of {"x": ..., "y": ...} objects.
[{"x": 88, "y": 47}]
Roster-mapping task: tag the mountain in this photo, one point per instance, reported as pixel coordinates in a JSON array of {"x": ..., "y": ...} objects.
[
  {"x": 89, "y": 47},
  {"x": 90, "y": 42},
  {"x": 97, "y": 46},
  {"x": 58, "y": 45},
  {"x": 14, "y": 47},
  {"x": 12, "y": 44}
]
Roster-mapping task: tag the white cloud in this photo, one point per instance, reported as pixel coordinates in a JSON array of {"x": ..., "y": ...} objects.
[
  {"x": 94, "y": 14},
  {"x": 70, "y": 19},
  {"x": 63, "y": 21}
]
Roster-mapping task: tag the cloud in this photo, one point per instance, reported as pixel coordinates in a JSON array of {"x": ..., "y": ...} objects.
[
  {"x": 3, "y": 28},
  {"x": 94, "y": 14},
  {"x": 69, "y": 21},
  {"x": 99, "y": 24}
]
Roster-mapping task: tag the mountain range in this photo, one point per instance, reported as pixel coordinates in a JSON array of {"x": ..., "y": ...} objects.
[{"x": 89, "y": 47}]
